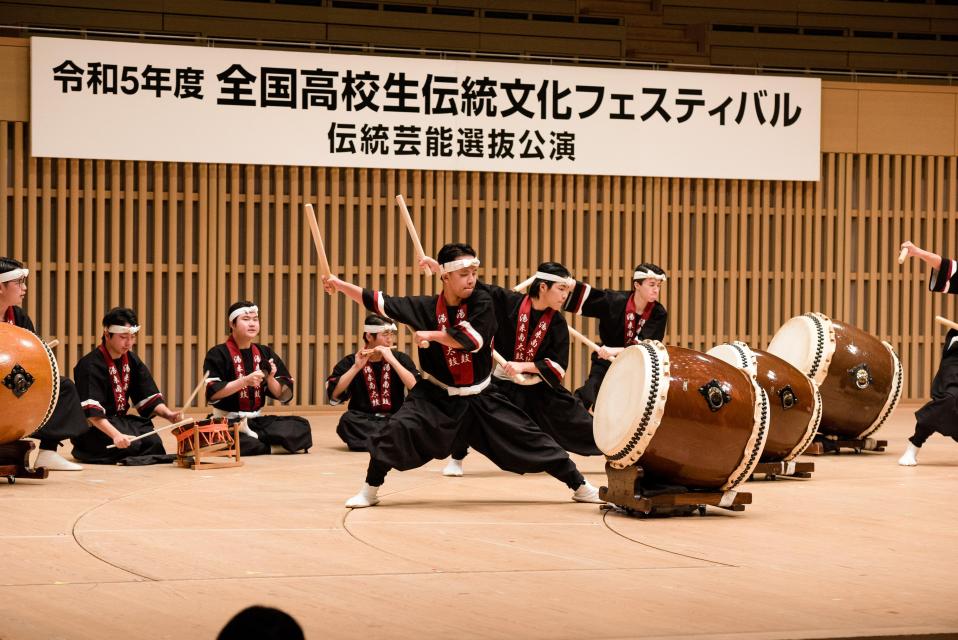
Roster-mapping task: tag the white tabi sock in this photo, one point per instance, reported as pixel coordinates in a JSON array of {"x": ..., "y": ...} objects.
[
  {"x": 55, "y": 462},
  {"x": 587, "y": 493},
  {"x": 453, "y": 469},
  {"x": 910, "y": 457},
  {"x": 365, "y": 498}
]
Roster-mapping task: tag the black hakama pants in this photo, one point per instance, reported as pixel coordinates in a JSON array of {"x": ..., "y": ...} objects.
[
  {"x": 557, "y": 412},
  {"x": 356, "y": 427},
  {"x": 66, "y": 421},
  {"x": 589, "y": 391},
  {"x": 290, "y": 432},
  {"x": 940, "y": 415},
  {"x": 91, "y": 446},
  {"x": 431, "y": 424}
]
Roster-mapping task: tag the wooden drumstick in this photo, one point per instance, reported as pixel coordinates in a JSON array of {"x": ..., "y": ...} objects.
[
  {"x": 902, "y": 255},
  {"x": 581, "y": 338},
  {"x": 53, "y": 343},
  {"x": 951, "y": 324},
  {"x": 318, "y": 241},
  {"x": 366, "y": 352},
  {"x": 411, "y": 228},
  {"x": 519, "y": 378},
  {"x": 189, "y": 400}
]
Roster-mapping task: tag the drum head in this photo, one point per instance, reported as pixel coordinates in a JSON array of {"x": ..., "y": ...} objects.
[
  {"x": 807, "y": 343},
  {"x": 737, "y": 354},
  {"x": 631, "y": 402}
]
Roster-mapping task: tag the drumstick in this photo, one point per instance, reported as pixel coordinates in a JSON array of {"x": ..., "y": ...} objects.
[
  {"x": 411, "y": 228},
  {"x": 156, "y": 431},
  {"x": 206, "y": 375},
  {"x": 902, "y": 255},
  {"x": 525, "y": 284},
  {"x": 318, "y": 241},
  {"x": 581, "y": 338},
  {"x": 951, "y": 324},
  {"x": 53, "y": 343},
  {"x": 520, "y": 378}
]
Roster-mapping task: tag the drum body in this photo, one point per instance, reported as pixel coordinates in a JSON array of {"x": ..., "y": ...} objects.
[
  {"x": 685, "y": 417},
  {"x": 213, "y": 434},
  {"x": 795, "y": 405},
  {"x": 859, "y": 377},
  {"x": 29, "y": 383}
]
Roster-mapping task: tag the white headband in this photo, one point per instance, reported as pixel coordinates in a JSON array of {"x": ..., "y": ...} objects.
[
  {"x": 642, "y": 274},
  {"x": 16, "y": 274},
  {"x": 551, "y": 277},
  {"x": 456, "y": 265},
  {"x": 115, "y": 328},
  {"x": 379, "y": 328},
  {"x": 243, "y": 311}
]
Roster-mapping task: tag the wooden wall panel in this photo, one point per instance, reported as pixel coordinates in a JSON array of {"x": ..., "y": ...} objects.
[{"x": 180, "y": 242}]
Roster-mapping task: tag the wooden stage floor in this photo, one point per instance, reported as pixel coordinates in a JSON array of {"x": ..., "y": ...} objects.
[{"x": 865, "y": 547}]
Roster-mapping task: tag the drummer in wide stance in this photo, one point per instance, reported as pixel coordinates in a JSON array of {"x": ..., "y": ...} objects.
[
  {"x": 940, "y": 414},
  {"x": 67, "y": 419},
  {"x": 625, "y": 318},
  {"x": 111, "y": 380}
]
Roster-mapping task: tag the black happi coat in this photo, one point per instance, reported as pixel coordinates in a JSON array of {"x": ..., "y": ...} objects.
[
  {"x": 95, "y": 386},
  {"x": 940, "y": 414},
  {"x": 67, "y": 419},
  {"x": 610, "y": 307},
  {"x": 432, "y": 423},
  {"x": 290, "y": 432},
  {"x": 362, "y": 418},
  {"x": 548, "y": 403}
]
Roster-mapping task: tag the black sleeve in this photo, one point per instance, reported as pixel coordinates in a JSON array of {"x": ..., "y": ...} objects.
[
  {"x": 143, "y": 390},
  {"x": 283, "y": 375},
  {"x": 945, "y": 278},
  {"x": 479, "y": 327},
  {"x": 341, "y": 367},
  {"x": 21, "y": 319},
  {"x": 416, "y": 311},
  {"x": 654, "y": 328},
  {"x": 93, "y": 387},
  {"x": 407, "y": 362},
  {"x": 218, "y": 365},
  {"x": 589, "y": 302},
  {"x": 553, "y": 359}
]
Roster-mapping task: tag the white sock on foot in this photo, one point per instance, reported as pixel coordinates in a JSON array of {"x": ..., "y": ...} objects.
[
  {"x": 910, "y": 457},
  {"x": 587, "y": 493},
  {"x": 453, "y": 469},
  {"x": 55, "y": 462},
  {"x": 365, "y": 498}
]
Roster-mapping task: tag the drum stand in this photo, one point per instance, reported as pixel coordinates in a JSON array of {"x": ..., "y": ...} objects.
[
  {"x": 834, "y": 444},
  {"x": 791, "y": 469},
  {"x": 15, "y": 461},
  {"x": 196, "y": 460},
  {"x": 625, "y": 491}
]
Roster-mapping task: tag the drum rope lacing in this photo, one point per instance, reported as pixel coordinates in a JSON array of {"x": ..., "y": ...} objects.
[{"x": 649, "y": 407}]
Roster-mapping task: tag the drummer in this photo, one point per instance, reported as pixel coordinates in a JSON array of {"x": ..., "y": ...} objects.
[
  {"x": 625, "y": 318},
  {"x": 374, "y": 380},
  {"x": 940, "y": 414},
  {"x": 242, "y": 374},
  {"x": 67, "y": 419},
  {"x": 111, "y": 380}
]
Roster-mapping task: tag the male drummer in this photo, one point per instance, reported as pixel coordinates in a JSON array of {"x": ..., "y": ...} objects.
[
  {"x": 111, "y": 379},
  {"x": 625, "y": 318},
  {"x": 454, "y": 406},
  {"x": 940, "y": 414}
]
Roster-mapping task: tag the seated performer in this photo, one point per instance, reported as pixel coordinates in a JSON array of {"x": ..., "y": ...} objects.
[
  {"x": 242, "y": 374},
  {"x": 67, "y": 419},
  {"x": 110, "y": 380},
  {"x": 535, "y": 341},
  {"x": 625, "y": 318},
  {"x": 454, "y": 406},
  {"x": 940, "y": 414},
  {"x": 380, "y": 389}
]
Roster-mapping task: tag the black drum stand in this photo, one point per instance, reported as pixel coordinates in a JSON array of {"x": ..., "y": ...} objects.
[{"x": 625, "y": 491}]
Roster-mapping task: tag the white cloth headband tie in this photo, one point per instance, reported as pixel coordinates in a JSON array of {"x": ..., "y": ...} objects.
[
  {"x": 641, "y": 274},
  {"x": 116, "y": 328},
  {"x": 16, "y": 274},
  {"x": 551, "y": 277},
  {"x": 456, "y": 265},
  {"x": 379, "y": 328},
  {"x": 243, "y": 311}
]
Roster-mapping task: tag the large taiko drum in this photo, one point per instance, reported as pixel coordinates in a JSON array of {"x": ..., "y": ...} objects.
[
  {"x": 859, "y": 376},
  {"x": 683, "y": 416},
  {"x": 29, "y": 383},
  {"x": 795, "y": 405}
]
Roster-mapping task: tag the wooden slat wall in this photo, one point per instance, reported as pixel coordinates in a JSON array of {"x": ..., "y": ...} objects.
[{"x": 180, "y": 242}]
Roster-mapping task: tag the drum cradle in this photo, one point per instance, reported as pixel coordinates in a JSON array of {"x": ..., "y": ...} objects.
[
  {"x": 15, "y": 461},
  {"x": 197, "y": 460},
  {"x": 793, "y": 469},
  {"x": 834, "y": 444},
  {"x": 625, "y": 491}
]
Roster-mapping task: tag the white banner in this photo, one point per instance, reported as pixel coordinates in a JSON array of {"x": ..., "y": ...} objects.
[{"x": 127, "y": 101}]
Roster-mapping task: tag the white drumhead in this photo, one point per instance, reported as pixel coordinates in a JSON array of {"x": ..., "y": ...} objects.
[
  {"x": 737, "y": 354},
  {"x": 807, "y": 343},
  {"x": 631, "y": 402}
]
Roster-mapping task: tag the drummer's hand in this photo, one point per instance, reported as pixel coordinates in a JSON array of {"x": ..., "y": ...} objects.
[
  {"x": 910, "y": 249},
  {"x": 330, "y": 284},
  {"x": 176, "y": 416},
  {"x": 121, "y": 441},
  {"x": 272, "y": 369},
  {"x": 422, "y": 339},
  {"x": 429, "y": 264},
  {"x": 386, "y": 353},
  {"x": 362, "y": 357},
  {"x": 605, "y": 353},
  {"x": 255, "y": 379},
  {"x": 512, "y": 369}
]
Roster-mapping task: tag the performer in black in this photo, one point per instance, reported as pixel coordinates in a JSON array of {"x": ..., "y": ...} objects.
[
  {"x": 454, "y": 407},
  {"x": 111, "y": 380},
  {"x": 940, "y": 414},
  {"x": 625, "y": 318},
  {"x": 374, "y": 380},
  {"x": 242, "y": 373},
  {"x": 67, "y": 419}
]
